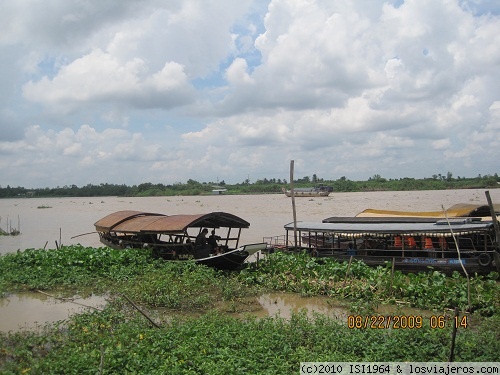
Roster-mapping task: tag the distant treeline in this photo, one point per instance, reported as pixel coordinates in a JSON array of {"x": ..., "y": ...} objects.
[{"x": 265, "y": 186}]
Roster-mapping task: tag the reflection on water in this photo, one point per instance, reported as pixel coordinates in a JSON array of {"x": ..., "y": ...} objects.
[
  {"x": 285, "y": 304},
  {"x": 32, "y": 310}
]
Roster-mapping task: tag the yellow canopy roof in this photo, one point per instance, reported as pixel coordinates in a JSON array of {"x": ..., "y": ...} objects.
[{"x": 457, "y": 210}]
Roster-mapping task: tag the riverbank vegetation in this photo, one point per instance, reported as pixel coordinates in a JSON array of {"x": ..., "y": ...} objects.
[
  {"x": 263, "y": 186},
  {"x": 190, "y": 330}
]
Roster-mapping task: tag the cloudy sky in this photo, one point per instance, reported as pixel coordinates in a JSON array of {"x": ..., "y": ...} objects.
[{"x": 136, "y": 91}]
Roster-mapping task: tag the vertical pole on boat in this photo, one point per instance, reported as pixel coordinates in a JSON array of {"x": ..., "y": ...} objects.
[
  {"x": 392, "y": 272},
  {"x": 347, "y": 272},
  {"x": 229, "y": 236},
  {"x": 459, "y": 256},
  {"x": 496, "y": 226},
  {"x": 292, "y": 193},
  {"x": 238, "y": 239},
  {"x": 493, "y": 217}
]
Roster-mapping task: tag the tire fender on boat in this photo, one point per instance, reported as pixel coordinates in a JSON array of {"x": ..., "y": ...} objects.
[{"x": 484, "y": 259}]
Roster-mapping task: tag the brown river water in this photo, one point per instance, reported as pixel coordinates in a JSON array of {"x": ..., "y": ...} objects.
[{"x": 45, "y": 221}]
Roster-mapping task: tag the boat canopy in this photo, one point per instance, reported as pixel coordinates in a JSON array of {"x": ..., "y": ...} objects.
[
  {"x": 385, "y": 219},
  {"x": 110, "y": 221},
  {"x": 363, "y": 229},
  {"x": 144, "y": 222},
  {"x": 457, "y": 210}
]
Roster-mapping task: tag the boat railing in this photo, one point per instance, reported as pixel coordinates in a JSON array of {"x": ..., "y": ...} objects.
[
  {"x": 277, "y": 241},
  {"x": 255, "y": 247},
  {"x": 399, "y": 252}
]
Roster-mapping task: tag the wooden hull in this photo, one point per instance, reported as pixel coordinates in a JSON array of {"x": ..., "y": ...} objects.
[{"x": 231, "y": 260}]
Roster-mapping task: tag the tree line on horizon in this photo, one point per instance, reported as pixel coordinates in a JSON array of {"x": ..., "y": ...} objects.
[{"x": 261, "y": 186}]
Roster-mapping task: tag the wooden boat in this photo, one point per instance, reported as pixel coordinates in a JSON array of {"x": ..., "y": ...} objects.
[
  {"x": 174, "y": 237},
  {"x": 320, "y": 191},
  {"x": 411, "y": 244}
]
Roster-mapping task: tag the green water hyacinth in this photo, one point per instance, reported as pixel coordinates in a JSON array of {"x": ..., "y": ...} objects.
[
  {"x": 300, "y": 273},
  {"x": 118, "y": 339}
]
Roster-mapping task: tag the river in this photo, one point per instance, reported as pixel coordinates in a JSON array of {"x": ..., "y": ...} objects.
[{"x": 43, "y": 221}]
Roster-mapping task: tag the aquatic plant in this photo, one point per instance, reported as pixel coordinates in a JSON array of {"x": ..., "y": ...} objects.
[
  {"x": 70, "y": 266},
  {"x": 181, "y": 285},
  {"x": 300, "y": 273},
  {"x": 154, "y": 282},
  {"x": 118, "y": 340}
]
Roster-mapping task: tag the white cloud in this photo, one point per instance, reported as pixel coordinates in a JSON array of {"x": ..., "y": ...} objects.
[
  {"x": 95, "y": 155},
  {"x": 99, "y": 78},
  {"x": 237, "y": 72},
  {"x": 441, "y": 144},
  {"x": 194, "y": 89}
]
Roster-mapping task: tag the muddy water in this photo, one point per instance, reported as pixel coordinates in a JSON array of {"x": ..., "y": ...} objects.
[
  {"x": 28, "y": 311},
  {"x": 32, "y": 310},
  {"x": 285, "y": 304},
  {"x": 45, "y": 221}
]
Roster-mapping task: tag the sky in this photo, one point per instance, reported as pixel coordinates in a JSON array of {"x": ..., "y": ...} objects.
[{"x": 135, "y": 91}]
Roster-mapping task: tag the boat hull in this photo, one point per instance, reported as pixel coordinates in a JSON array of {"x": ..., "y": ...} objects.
[
  {"x": 418, "y": 264},
  {"x": 310, "y": 194},
  {"x": 228, "y": 260},
  {"x": 231, "y": 260}
]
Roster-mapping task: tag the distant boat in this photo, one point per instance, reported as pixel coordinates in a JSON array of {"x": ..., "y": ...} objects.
[
  {"x": 173, "y": 237},
  {"x": 218, "y": 190},
  {"x": 319, "y": 191}
]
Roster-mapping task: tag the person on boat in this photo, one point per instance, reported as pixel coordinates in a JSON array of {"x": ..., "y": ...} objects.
[
  {"x": 212, "y": 241},
  {"x": 202, "y": 248},
  {"x": 351, "y": 250},
  {"x": 201, "y": 238}
]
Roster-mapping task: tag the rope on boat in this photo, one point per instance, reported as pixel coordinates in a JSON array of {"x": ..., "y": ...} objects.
[
  {"x": 459, "y": 258},
  {"x": 83, "y": 234}
]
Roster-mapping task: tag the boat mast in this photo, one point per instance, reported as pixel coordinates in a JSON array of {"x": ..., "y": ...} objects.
[
  {"x": 494, "y": 218},
  {"x": 496, "y": 255},
  {"x": 293, "y": 205}
]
